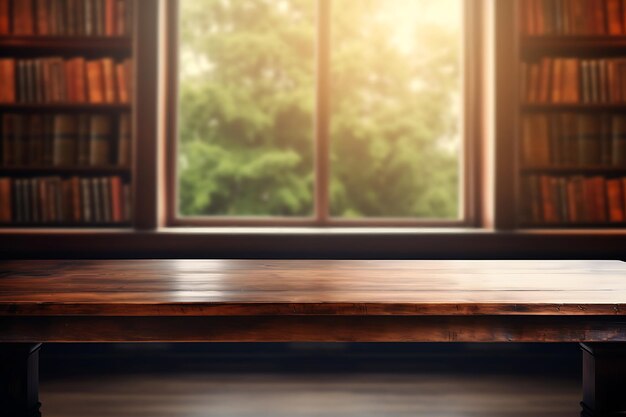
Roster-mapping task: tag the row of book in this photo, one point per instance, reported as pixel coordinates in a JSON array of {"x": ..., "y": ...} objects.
[
  {"x": 66, "y": 17},
  {"x": 574, "y": 80},
  {"x": 570, "y": 200},
  {"x": 58, "y": 80},
  {"x": 65, "y": 140},
  {"x": 573, "y": 17},
  {"x": 574, "y": 139},
  {"x": 56, "y": 200}
]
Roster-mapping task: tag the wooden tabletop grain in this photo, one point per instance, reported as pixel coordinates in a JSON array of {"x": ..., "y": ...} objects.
[{"x": 311, "y": 287}]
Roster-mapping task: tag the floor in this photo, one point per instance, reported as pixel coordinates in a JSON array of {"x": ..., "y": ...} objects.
[{"x": 304, "y": 385}]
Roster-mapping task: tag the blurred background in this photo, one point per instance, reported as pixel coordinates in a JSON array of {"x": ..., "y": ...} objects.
[{"x": 306, "y": 380}]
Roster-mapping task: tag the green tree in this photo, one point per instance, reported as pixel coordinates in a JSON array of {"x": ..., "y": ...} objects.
[{"x": 246, "y": 110}]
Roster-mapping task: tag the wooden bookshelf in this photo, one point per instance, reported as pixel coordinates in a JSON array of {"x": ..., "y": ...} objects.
[
  {"x": 105, "y": 186},
  {"x": 64, "y": 108},
  {"x": 556, "y": 194},
  {"x": 65, "y": 45},
  {"x": 23, "y": 171},
  {"x": 572, "y": 45}
]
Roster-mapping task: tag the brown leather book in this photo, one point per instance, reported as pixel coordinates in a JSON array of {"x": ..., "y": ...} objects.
[
  {"x": 23, "y": 17},
  {"x": 589, "y": 135},
  {"x": 534, "y": 82},
  {"x": 80, "y": 91},
  {"x": 100, "y": 143},
  {"x": 105, "y": 199},
  {"x": 571, "y": 202},
  {"x": 109, "y": 80},
  {"x": 618, "y": 140},
  {"x": 121, "y": 18},
  {"x": 65, "y": 143},
  {"x": 5, "y": 27},
  {"x": 599, "y": 17},
  {"x": 76, "y": 199},
  {"x": 70, "y": 17},
  {"x": 545, "y": 79},
  {"x": 557, "y": 80},
  {"x": 84, "y": 139},
  {"x": 614, "y": 17},
  {"x": 8, "y": 139},
  {"x": 116, "y": 199},
  {"x": 7, "y": 78},
  {"x": 615, "y": 198},
  {"x": 548, "y": 199},
  {"x": 624, "y": 191},
  {"x": 571, "y": 80},
  {"x": 122, "y": 87},
  {"x": 87, "y": 201},
  {"x": 539, "y": 18},
  {"x": 6, "y": 200},
  {"x": 128, "y": 66},
  {"x": 43, "y": 16},
  {"x": 123, "y": 141},
  {"x": 109, "y": 17},
  {"x": 70, "y": 76},
  {"x": 599, "y": 185},
  {"x": 95, "y": 82},
  {"x": 35, "y": 139},
  {"x": 577, "y": 17},
  {"x": 43, "y": 201}
]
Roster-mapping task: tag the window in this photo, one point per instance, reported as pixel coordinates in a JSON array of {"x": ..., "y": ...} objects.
[{"x": 315, "y": 112}]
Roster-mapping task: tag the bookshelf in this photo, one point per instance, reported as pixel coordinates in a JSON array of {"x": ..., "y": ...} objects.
[
  {"x": 66, "y": 114},
  {"x": 570, "y": 128}
]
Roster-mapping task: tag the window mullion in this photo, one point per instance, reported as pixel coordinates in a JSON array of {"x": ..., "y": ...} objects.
[{"x": 322, "y": 112}]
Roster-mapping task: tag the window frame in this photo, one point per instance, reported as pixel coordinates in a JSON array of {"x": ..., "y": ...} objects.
[{"x": 471, "y": 136}]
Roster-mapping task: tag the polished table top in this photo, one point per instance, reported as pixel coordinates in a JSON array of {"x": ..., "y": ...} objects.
[{"x": 311, "y": 287}]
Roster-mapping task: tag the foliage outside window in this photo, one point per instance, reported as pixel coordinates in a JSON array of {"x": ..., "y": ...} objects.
[{"x": 247, "y": 102}]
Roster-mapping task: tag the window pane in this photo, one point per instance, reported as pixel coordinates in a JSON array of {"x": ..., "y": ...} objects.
[
  {"x": 246, "y": 103},
  {"x": 396, "y": 108}
]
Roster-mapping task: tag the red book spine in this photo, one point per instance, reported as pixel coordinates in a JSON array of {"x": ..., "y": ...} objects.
[
  {"x": 79, "y": 80},
  {"x": 5, "y": 27},
  {"x": 116, "y": 199},
  {"x": 94, "y": 82}
]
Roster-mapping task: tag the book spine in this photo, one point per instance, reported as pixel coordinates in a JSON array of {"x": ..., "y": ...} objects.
[
  {"x": 100, "y": 142},
  {"x": 64, "y": 140}
]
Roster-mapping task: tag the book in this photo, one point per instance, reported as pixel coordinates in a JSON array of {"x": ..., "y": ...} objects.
[
  {"x": 6, "y": 208},
  {"x": 95, "y": 81},
  {"x": 100, "y": 140},
  {"x": 124, "y": 141},
  {"x": 65, "y": 17},
  {"x": 615, "y": 200},
  {"x": 618, "y": 140},
  {"x": 65, "y": 142}
]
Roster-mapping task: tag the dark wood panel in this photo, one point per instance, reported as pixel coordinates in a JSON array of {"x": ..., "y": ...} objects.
[
  {"x": 313, "y": 287},
  {"x": 313, "y": 329},
  {"x": 312, "y": 244}
]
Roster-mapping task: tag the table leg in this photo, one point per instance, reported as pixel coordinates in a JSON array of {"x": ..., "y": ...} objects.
[
  {"x": 19, "y": 379},
  {"x": 604, "y": 380}
]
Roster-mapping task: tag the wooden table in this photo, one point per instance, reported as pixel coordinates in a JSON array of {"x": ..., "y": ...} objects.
[{"x": 315, "y": 300}]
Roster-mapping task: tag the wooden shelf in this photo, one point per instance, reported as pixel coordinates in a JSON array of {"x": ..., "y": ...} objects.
[
  {"x": 575, "y": 107},
  {"x": 63, "y": 45},
  {"x": 65, "y": 107},
  {"x": 573, "y": 45},
  {"x": 54, "y": 170},
  {"x": 65, "y": 225},
  {"x": 575, "y": 169},
  {"x": 567, "y": 225}
]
